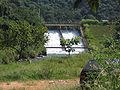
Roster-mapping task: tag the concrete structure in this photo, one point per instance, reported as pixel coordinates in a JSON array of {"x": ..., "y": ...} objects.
[{"x": 67, "y": 31}]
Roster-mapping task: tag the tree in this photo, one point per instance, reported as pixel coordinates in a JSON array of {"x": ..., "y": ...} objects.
[
  {"x": 22, "y": 37},
  {"x": 68, "y": 43},
  {"x": 21, "y": 31},
  {"x": 93, "y": 4}
]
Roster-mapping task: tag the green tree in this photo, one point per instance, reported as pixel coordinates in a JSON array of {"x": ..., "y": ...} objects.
[
  {"x": 93, "y": 4},
  {"x": 22, "y": 37},
  {"x": 68, "y": 43}
]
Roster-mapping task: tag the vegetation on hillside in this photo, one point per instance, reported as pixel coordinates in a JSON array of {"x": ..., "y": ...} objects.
[
  {"x": 103, "y": 43},
  {"x": 93, "y": 4},
  {"x": 35, "y": 11},
  {"x": 103, "y": 40},
  {"x": 22, "y": 37},
  {"x": 62, "y": 10},
  {"x": 21, "y": 31}
]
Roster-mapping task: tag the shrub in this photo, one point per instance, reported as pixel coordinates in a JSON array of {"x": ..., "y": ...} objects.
[
  {"x": 104, "y": 22},
  {"x": 107, "y": 79},
  {"x": 8, "y": 55},
  {"x": 89, "y": 21}
]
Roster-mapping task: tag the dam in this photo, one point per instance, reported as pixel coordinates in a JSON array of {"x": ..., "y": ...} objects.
[{"x": 67, "y": 31}]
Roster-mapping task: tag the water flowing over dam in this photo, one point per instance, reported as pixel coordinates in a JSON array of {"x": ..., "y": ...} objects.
[{"x": 53, "y": 46}]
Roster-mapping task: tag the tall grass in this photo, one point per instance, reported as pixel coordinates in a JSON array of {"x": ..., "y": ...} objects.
[
  {"x": 63, "y": 67},
  {"x": 96, "y": 34}
]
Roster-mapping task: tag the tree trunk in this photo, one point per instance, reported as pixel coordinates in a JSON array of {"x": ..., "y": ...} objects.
[{"x": 69, "y": 53}]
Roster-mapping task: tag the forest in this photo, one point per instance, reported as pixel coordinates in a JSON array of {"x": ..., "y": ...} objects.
[
  {"x": 63, "y": 11},
  {"x": 57, "y": 10}
]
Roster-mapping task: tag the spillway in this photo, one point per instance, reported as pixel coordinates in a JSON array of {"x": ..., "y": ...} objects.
[{"x": 53, "y": 45}]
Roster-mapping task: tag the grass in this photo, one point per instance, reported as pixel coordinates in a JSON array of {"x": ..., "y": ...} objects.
[
  {"x": 55, "y": 67},
  {"x": 96, "y": 34},
  {"x": 48, "y": 68},
  {"x": 51, "y": 68}
]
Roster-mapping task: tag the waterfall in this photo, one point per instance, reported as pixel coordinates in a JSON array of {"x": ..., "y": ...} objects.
[{"x": 53, "y": 45}]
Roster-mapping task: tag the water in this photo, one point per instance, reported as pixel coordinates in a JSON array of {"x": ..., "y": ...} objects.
[
  {"x": 69, "y": 34},
  {"x": 53, "y": 45},
  {"x": 54, "y": 38}
]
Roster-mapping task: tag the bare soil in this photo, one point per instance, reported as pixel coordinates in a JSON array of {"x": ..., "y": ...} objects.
[{"x": 37, "y": 85}]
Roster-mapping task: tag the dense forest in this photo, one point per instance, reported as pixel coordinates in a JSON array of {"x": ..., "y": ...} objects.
[
  {"x": 57, "y": 10},
  {"x": 63, "y": 11}
]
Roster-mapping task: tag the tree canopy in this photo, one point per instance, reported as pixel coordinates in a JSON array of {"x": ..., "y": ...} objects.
[
  {"x": 35, "y": 11},
  {"x": 93, "y": 4},
  {"x": 21, "y": 30}
]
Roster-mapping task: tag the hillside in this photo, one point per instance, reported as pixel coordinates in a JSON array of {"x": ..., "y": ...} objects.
[
  {"x": 62, "y": 10},
  {"x": 56, "y": 10}
]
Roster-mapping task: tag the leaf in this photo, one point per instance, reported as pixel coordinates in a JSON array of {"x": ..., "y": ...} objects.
[{"x": 93, "y": 4}]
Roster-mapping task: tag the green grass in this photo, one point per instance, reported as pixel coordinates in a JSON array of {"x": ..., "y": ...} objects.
[
  {"x": 56, "y": 67},
  {"x": 48, "y": 68},
  {"x": 96, "y": 34}
]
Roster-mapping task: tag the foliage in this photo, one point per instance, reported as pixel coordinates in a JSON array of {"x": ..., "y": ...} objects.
[
  {"x": 113, "y": 43},
  {"x": 62, "y": 11},
  {"x": 21, "y": 29},
  {"x": 68, "y": 43},
  {"x": 55, "y": 11},
  {"x": 7, "y": 55},
  {"x": 108, "y": 77},
  {"x": 89, "y": 21},
  {"x": 96, "y": 34},
  {"x": 22, "y": 37},
  {"x": 20, "y": 10},
  {"x": 105, "y": 47},
  {"x": 47, "y": 68},
  {"x": 93, "y": 4}
]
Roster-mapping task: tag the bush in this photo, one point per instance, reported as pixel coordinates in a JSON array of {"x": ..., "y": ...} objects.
[
  {"x": 89, "y": 21},
  {"x": 30, "y": 52},
  {"x": 7, "y": 56},
  {"x": 105, "y": 22},
  {"x": 22, "y": 37},
  {"x": 107, "y": 79}
]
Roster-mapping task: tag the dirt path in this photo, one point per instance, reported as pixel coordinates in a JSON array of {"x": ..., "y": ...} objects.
[{"x": 37, "y": 85}]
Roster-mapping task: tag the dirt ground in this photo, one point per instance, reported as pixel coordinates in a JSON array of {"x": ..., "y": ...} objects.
[{"x": 37, "y": 85}]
